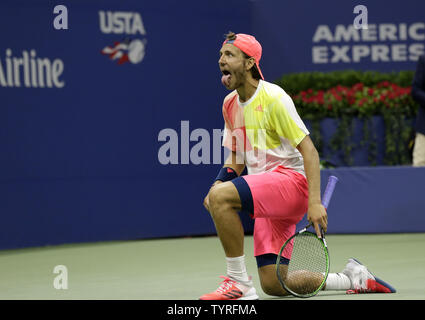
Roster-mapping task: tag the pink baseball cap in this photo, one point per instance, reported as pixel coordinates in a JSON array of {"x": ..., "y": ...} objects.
[{"x": 250, "y": 46}]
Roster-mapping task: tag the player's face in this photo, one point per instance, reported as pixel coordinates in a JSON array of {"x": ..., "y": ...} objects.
[{"x": 232, "y": 66}]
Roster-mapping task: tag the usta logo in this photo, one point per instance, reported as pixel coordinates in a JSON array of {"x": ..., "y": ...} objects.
[
  {"x": 128, "y": 49},
  {"x": 120, "y": 22}
]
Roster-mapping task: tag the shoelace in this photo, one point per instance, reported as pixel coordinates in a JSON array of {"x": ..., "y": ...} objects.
[{"x": 225, "y": 285}]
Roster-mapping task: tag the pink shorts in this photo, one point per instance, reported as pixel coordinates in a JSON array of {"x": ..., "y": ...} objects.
[{"x": 277, "y": 200}]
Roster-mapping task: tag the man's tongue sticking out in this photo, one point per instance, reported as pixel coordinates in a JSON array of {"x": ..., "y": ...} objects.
[{"x": 225, "y": 80}]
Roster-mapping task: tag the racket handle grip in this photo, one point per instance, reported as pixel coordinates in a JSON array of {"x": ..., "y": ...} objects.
[{"x": 329, "y": 190}]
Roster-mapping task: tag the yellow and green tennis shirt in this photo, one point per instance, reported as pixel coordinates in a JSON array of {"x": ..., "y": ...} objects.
[{"x": 265, "y": 130}]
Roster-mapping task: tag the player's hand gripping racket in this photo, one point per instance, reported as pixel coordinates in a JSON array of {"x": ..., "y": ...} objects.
[{"x": 308, "y": 268}]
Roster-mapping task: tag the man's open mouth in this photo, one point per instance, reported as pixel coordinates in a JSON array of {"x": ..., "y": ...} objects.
[{"x": 225, "y": 79}]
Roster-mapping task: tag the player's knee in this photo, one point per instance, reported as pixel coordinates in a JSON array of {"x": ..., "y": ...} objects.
[
  {"x": 272, "y": 287},
  {"x": 217, "y": 200},
  {"x": 269, "y": 281}
]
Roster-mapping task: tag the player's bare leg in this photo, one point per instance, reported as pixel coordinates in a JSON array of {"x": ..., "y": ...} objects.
[
  {"x": 304, "y": 281},
  {"x": 299, "y": 281},
  {"x": 224, "y": 205},
  {"x": 269, "y": 281}
]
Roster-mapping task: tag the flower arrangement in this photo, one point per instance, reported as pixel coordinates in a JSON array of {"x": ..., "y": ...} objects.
[
  {"x": 356, "y": 100},
  {"x": 346, "y": 95}
]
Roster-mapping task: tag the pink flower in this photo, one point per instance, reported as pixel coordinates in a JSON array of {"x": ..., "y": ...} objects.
[{"x": 358, "y": 86}]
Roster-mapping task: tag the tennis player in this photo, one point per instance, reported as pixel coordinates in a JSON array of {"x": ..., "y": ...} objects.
[{"x": 264, "y": 133}]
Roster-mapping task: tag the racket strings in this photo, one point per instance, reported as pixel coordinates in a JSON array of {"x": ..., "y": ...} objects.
[{"x": 308, "y": 264}]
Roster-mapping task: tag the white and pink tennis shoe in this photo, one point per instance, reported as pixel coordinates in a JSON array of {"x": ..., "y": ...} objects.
[
  {"x": 363, "y": 281},
  {"x": 232, "y": 290}
]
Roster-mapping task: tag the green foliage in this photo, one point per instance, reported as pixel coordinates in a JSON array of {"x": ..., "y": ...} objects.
[
  {"x": 297, "y": 82},
  {"x": 350, "y": 94}
]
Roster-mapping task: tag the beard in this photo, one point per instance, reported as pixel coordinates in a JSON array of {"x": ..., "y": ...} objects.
[{"x": 239, "y": 78}]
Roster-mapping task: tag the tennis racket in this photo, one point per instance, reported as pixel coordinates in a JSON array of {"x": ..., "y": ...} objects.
[{"x": 308, "y": 268}]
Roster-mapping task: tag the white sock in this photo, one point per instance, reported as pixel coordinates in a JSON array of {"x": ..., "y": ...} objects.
[
  {"x": 338, "y": 281},
  {"x": 236, "y": 269}
]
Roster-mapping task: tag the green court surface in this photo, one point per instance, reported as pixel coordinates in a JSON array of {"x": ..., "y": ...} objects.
[{"x": 186, "y": 268}]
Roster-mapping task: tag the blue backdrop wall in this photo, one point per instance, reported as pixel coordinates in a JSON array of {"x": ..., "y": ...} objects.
[
  {"x": 89, "y": 114},
  {"x": 322, "y": 36}
]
